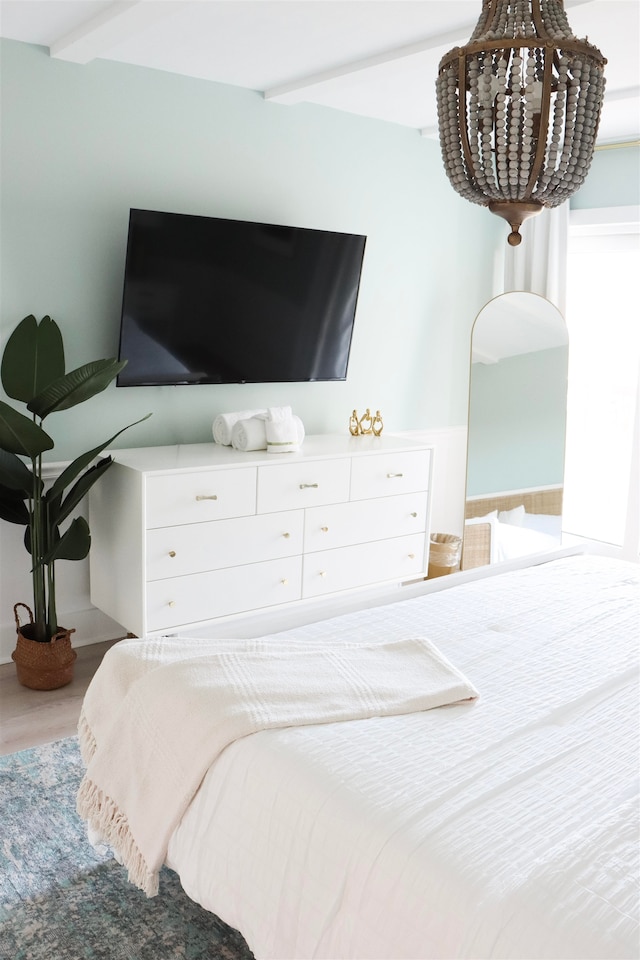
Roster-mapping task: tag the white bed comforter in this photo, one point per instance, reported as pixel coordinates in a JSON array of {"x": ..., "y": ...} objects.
[
  {"x": 145, "y": 761},
  {"x": 509, "y": 830}
]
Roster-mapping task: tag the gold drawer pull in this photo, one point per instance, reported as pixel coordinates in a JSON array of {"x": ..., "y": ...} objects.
[
  {"x": 172, "y": 603},
  {"x": 391, "y": 476},
  {"x": 325, "y": 529},
  {"x": 414, "y": 514},
  {"x": 308, "y": 486},
  {"x": 412, "y": 556},
  {"x": 286, "y": 535},
  {"x": 323, "y": 573},
  {"x": 211, "y": 496},
  {"x": 284, "y": 582},
  {"x": 172, "y": 553}
]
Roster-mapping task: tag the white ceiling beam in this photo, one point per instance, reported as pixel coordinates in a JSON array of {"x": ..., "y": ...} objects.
[
  {"x": 98, "y": 35},
  {"x": 431, "y": 133},
  {"x": 628, "y": 93},
  {"x": 299, "y": 90}
]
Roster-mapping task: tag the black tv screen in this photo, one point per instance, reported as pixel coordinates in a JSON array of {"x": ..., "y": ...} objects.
[{"x": 209, "y": 300}]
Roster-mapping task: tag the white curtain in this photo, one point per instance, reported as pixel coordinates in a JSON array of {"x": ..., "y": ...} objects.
[{"x": 539, "y": 263}]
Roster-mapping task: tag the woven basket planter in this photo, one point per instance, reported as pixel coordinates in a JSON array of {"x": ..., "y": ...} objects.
[{"x": 42, "y": 666}]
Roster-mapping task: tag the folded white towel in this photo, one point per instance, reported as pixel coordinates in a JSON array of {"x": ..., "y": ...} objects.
[
  {"x": 223, "y": 424},
  {"x": 252, "y": 434},
  {"x": 281, "y": 430},
  {"x": 270, "y": 413}
]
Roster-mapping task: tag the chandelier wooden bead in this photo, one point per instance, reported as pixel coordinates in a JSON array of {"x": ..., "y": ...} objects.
[{"x": 519, "y": 109}]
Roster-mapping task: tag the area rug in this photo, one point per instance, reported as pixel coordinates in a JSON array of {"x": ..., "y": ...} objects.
[{"x": 60, "y": 900}]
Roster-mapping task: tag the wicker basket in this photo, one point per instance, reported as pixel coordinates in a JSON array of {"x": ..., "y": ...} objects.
[
  {"x": 42, "y": 666},
  {"x": 444, "y": 554}
]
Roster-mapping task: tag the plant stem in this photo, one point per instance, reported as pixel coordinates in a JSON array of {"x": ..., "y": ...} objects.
[
  {"x": 51, "y": 596},
  {"x": 37, "y": 570}
]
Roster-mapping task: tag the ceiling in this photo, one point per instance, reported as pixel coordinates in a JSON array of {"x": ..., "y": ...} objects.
[{"x": 375, "y": 58}]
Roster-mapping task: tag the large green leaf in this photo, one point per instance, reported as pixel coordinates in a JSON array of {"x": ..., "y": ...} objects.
[
  {"x": 32, "y": 359},
  {"x": 27, "y": 539},
  {"x": 76, "y": 387},
  {"x": 74, "y": 544},
  {"x": 58, "y": 512},
  {"x": 12, "y": 506},
  {"x": 69, "y": 474},
  {"x": 15, "y": 474},
  {"x": 19, "y": 434}
]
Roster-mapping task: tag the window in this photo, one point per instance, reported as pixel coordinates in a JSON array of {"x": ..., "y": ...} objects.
[{"x": 603, "y": 306}]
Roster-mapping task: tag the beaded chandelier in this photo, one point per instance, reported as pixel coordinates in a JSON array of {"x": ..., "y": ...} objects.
[{"x": 518, "y": 109}]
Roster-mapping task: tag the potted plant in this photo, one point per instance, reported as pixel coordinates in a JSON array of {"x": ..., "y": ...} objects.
[{"x": 32, "y": 372}]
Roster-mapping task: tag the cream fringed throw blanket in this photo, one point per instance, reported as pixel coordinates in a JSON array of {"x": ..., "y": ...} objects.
[{"x": 159, "y": 712}]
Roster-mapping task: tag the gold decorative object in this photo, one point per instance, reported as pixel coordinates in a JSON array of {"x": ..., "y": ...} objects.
[
  {"x": 365, "y": 425},
  {"x": 518, "y": 109}
]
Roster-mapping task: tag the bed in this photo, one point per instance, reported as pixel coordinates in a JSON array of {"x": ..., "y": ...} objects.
[
  {"x": 500, "y": 827},
  {"x": 505, "y": 526}
]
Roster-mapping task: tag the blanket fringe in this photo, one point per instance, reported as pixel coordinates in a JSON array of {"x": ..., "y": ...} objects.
[
  {"x": 86, "y": 739},
  {"x": 103, "y": 816}
]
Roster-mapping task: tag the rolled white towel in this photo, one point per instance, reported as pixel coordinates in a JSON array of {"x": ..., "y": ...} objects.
[
  {"x": 299, "y": 429},
  {"x": 282, "y": 432},
  {"x": 223, "y": 424},
  {"x": 249, "y": 434},
  {"x": 252, "y": 434}
]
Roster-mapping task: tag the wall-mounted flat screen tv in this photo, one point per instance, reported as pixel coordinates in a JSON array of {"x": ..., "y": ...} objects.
[{"x": 209, "y": 300}]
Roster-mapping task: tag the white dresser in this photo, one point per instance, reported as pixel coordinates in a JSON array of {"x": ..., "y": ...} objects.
[{"x": 182, "y": 535}]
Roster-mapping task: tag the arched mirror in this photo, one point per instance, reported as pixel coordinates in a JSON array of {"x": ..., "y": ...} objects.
[{"x": 516, "y": 436}]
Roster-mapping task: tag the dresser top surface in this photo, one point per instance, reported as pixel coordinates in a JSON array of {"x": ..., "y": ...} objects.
[{"x": 196, "y": 456}]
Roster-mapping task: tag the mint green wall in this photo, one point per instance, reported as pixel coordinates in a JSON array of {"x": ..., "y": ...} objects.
[
  {"x": 517, "y": 422},
  {"x": 613, "y": 180},
  {"x": 82, "y": 144}
]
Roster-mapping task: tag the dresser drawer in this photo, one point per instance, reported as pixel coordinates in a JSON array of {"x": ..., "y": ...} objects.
[
  {"x": 302, "y": 484},
  {"x": 198, "y": 497},
  {"x": 333, "y": 570},
  {"x": 388, "y": 474},
  {"x": 219, "y": 593},
  {"x": 342, "y": 524},
  {"x": 196, "y": 547}
]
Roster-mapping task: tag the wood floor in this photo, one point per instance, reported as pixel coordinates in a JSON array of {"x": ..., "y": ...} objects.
[{"x": 31, "y": 717}]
